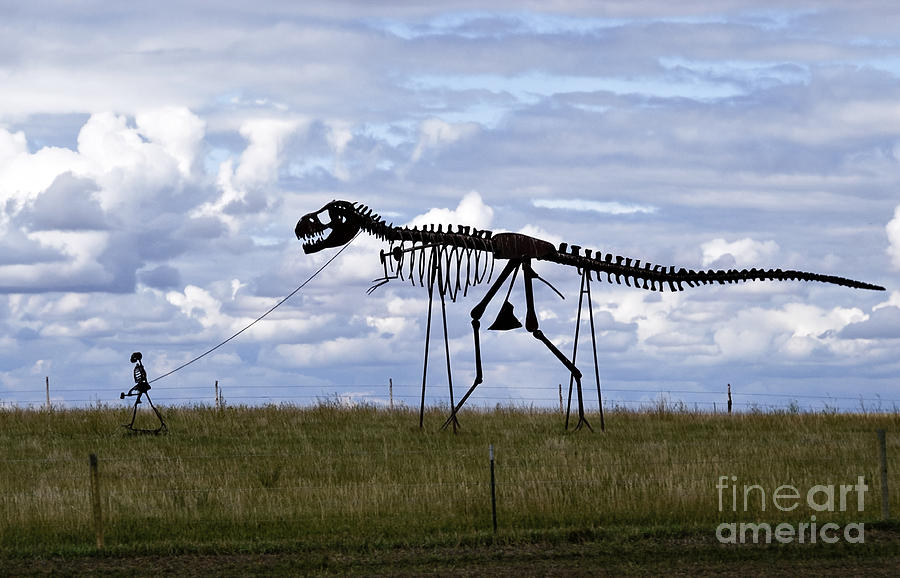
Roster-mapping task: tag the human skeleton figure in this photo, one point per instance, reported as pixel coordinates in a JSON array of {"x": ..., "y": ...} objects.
[
  {"x": 456, "y": 260},
  {"x": 141, "y": 388}
]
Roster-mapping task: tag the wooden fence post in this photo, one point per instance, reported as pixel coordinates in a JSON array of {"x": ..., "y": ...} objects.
[
  {"x": 729, "y": 398},
  {"x": 493, "y": 490},
  {"x": 47, "y": 381},
  {"x": 391, "y": 391},
  {"x": 218, "y": 397},
  {"x": 95, "y": 501},
  {"x": 885, "y": 498}
]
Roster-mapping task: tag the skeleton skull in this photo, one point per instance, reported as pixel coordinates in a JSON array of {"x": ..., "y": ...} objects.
[{"x": 342, "y": 226}]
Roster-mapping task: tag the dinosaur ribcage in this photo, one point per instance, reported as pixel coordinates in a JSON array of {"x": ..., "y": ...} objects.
[{"x": 446, "y": 268}]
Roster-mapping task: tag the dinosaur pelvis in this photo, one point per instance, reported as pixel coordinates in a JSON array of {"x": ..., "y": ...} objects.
[
  {"x": 506, "y": 319},
  {"x": 519, "y": 246}
]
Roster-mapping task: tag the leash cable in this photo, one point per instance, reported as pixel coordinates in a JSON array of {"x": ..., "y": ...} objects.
[{"x": 261, "y": 317}]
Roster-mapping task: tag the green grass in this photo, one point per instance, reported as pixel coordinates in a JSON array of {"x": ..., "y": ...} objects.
[{"x": 368, "y": 482}]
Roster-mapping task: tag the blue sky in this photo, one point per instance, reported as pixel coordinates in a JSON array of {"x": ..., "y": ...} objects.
[{"x": 154, "y": 160}]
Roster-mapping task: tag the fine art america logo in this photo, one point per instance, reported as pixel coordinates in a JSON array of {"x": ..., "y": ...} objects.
[{"x": 788, "y": 498}]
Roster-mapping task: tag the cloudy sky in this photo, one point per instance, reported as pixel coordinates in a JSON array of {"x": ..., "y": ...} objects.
[{"x": 154, "y": 161}]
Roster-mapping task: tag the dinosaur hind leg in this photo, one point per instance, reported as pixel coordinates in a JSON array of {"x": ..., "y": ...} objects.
[
  {"x": 532, "y": 326},
  {"x": 477, "y": 313}
]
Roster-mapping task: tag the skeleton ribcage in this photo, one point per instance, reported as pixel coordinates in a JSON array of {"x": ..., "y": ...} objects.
[
  {"x": 140, "y": 374},
  {"x": 448, "y": 269}
]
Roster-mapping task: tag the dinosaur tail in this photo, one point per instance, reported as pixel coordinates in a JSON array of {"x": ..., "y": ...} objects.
[{"x": 658, "y": 278}]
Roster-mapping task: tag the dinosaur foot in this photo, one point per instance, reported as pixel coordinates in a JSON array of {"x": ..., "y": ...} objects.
[
  {"x": 139, "y": 431},
  {"x": 582, "y": 422},
  {"x": 451, "y": 420}
]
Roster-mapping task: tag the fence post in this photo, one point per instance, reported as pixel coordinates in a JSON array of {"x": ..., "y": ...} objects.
[
  {"x": 95, "y": 501},
  {"x": 729, "y": 398},
  {"x": 493, "y": 490},
  {"x": 47, "y": 382},
  {"x": 885, "y": 502},
  {"x": 218, "y": 398},
  {"x": 561, "y": 408},
  {"x": 391, "y": 391}
]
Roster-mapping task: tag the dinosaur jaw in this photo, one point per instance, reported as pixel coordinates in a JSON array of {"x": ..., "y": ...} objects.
[
  {"x": 317, "y": 235},
  {"x": 314, "y": 242},
  {"x": 313, "y": 234}
]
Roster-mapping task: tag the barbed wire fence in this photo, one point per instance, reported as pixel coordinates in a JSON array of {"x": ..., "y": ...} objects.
[{"x": 392, "y": 394}]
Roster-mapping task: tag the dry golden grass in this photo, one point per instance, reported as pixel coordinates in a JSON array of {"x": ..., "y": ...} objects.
[{"x": 364, "y": 475}]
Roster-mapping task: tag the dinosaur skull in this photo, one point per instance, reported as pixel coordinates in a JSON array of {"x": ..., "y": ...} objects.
[{"x": 317, "y": 234}]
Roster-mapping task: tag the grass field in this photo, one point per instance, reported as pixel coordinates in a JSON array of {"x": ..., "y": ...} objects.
[{"x": 342, "y": 490}]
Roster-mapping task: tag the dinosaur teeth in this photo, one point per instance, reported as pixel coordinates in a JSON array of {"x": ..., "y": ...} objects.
[{"x": 314, "y": 237}]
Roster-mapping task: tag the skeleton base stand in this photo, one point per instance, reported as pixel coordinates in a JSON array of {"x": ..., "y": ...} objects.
[
  {"x": 140, "y": 389},
  {"x": 435, "y": 277},
  {"x": 586, "y": 291}
]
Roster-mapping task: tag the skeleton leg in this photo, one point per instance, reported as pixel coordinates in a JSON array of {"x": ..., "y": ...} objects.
[
  {"x": 532, "y": 326},
  {"x": 586, "y": 290},
  {"x": 594, "y": 344},
  {"x": 435, "y": 277},
  {"x": 447, "y": 354},
  {"x": 162, "y": 424},
  {"x": 134, "y": 411},
  {"x": 575, "y": 348},
  {"x": 427, "y": 347},
  {"x": 477, "y": 313}
]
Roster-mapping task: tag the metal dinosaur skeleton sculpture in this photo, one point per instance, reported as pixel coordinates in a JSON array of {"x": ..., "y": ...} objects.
[{"x": 456, "y": 260}]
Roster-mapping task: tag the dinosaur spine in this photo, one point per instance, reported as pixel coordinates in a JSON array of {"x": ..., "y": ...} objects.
[
  {"x": 460, "y": 254},
  {"x": 652, "y": 277}
]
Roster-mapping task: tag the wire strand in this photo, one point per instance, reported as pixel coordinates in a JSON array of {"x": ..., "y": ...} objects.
[{"x": 261, "y": 317}]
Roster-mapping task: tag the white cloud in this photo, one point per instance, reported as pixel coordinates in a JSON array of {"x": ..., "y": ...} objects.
[
  {"x": 471, "y": 211},
  {"x": 242, "y": 186},
  {"x": 80, "y": 268},
  {"x": 435, "y": 133},
  {"x": 541, "y": 233},
  {"x": 884, "y": 323},
  {"x": 650, "y": 312},
  {"x": 893, "y": 301},
  {"x": 391, "y": 325},
  {"x": 23, "y": 175},
  {"x": 123, "y": 160},
  {"x": 72, "y": 201},
  {"x": 198, "y": 303},
  {"x": 339, "y": 136},
  {"x": 795, "y": 330},
  {"x": 260, "y": 160},
  {"x": 347, "y": 351},
  {"x": 179, "y": 131},
  {"x": 893, "y": 234},
  {"x": 605, "y": 207},
  {"x": 87, "y": 328},
  {"x": 11, "y": 145},
  {"x": 741, "y": 253},
  {"x": 398, "y": 306}
]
